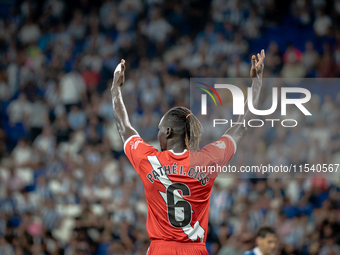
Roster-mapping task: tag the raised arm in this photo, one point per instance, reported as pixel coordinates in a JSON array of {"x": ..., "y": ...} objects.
[
  {"x": 239, "y": 131},
  {"x": 122, "y": 119}
]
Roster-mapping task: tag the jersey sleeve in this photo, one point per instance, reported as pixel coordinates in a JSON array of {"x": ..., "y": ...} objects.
[
  {"x": 216, "y": 153},
  {"x": 136, "y": 150}
]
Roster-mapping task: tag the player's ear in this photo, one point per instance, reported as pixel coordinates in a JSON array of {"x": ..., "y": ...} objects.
[{"x": 168, "y": 132}]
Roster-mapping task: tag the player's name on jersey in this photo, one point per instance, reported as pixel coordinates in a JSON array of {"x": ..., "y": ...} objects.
[{"x": 168, "y": 170}]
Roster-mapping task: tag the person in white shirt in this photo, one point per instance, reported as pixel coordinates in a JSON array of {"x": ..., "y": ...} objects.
[{"x": 72, "y": 88}]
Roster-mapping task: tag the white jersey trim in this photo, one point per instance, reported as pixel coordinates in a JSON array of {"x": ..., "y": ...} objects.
[
  {"x": 233, "y": 140},
  {"x": 178, "y": 153}
]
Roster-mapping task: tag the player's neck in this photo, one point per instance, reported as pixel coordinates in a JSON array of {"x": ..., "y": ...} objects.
[{"x": 175, "y": 146}]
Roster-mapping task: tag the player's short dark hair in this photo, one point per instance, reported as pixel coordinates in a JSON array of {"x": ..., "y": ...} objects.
[
  {"x": 185, "y": 125},
  {"x": 264, "y": 231}
]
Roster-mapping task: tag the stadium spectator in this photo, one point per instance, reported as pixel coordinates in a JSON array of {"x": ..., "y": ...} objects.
[{"x": 266, "y": 241}]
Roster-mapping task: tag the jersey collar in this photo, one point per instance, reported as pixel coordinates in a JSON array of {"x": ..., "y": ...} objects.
[{"x": 178, "y": 153}]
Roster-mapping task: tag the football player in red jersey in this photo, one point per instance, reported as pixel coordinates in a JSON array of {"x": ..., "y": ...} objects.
[{"x": 177, "y": 194}]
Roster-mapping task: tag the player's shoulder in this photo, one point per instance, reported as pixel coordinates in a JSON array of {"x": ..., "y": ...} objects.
[
  {"x": 135, "y": 142},
  {"x": 132, "y": 140},
  {"x": 224, "y": 140},
  {"x": 251, "y": 252},
  {"x": 255, "y": 251}
]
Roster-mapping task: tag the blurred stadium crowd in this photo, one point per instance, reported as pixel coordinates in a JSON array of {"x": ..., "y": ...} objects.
[{"x": 66, "y": 185}]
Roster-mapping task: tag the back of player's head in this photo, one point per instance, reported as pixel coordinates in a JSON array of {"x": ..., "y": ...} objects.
[
  {"x": 264, "y": 231},
  {"x": 185, "y": 125}
]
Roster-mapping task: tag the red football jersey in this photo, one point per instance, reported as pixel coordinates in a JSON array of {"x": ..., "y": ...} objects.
[{"x": 177, "y": 193}]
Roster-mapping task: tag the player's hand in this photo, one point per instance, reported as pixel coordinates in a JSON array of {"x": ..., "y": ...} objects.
[
  {"x": 257, "y": 65},
  {"x": 119, "y": 76}
]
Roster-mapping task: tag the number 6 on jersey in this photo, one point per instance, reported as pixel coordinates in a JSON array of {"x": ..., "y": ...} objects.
[{"x": 179, "y": 208}]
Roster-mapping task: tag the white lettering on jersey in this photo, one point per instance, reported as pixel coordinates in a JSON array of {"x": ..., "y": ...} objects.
[
  {"x": 134, "y": 145},
  {"x": 219, "y": 144}
]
